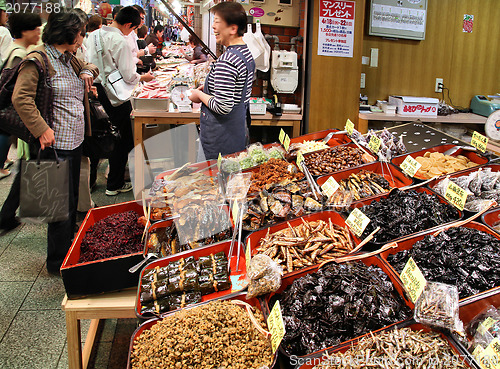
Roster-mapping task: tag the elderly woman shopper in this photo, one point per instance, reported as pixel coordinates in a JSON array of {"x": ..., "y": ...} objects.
[{"x": 71, "y": 80}]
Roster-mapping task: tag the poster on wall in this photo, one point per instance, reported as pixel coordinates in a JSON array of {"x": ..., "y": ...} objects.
[{"x": 336, "y": 28}]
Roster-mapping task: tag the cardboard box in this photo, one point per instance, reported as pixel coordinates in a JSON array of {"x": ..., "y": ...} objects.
[
  {"x": 82, "y": 279},
  {"x": 415, "y": 106}
]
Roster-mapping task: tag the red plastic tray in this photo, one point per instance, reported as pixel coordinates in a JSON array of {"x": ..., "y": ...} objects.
[
  {"x": 398, "y": 178},
  {"x": 238, "y": 282},
  {"x": 148, "y": 324},
  {"x": 288, "y": 280},
  {"x": 408, "y": 244},
  {"x": 254, "y": 238},
  {"x": 491, "y": 218},
  {"x": 361, "y": 203},
  {"x": 336, "y": 140},
  {"x": 82, "y": 279},
  {"x": 311, "y": 361},
  {"x": 471, "y": 155}
]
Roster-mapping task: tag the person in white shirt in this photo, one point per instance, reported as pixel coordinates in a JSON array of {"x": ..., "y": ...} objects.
[
  {"x": 116, "y": 56},
  {"x": 5, "y": 36},
  {"x": 184, "y": 33},
  {"x": 132, "y": 40}
]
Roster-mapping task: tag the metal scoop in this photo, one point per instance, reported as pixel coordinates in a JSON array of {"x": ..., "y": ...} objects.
[{"x": 456, "y": 148}]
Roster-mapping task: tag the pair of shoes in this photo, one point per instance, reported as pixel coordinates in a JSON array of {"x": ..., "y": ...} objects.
[
  {"x": 5, "y": 174},
  {"x": 55, "y": 272},
  {"x": 8, "y": 163},
  {"x": 125, "y": 188},
  {"x": 10, "y": 225}
]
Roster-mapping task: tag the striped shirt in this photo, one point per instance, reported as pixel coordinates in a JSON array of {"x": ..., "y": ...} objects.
[
  {"x": 227, "y": 79},
  {"x": 69, "y": 91}
]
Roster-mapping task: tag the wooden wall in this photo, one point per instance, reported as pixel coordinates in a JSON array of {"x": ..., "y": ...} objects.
[
  {"x": 469, "y": 63},
  {"x": 334, "y": 81}
]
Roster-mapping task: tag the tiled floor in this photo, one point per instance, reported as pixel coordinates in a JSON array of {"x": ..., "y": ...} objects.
[{"x": 32, "y": 324}]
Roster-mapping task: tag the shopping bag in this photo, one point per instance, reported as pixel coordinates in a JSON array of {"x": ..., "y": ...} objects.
[{"x": 44, "y": 194}]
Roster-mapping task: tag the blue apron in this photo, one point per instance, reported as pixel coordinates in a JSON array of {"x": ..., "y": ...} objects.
[{"x": 225, "y": 134}]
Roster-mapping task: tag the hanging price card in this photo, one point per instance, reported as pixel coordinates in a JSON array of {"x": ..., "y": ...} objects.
[
  {"x": 330, "y": 187},
  {"x": 479, "y": 141},
  {"x": 236, "y": 211},
  {"x": 286, "y": 142},
  {"x": 456, "y": 195},
  {"x": 374, "y": 144},
  {"x": 357, "y": 221},
  {"x": 282, "y": 136},
  {"x": 410, "y": 166},
  {"x": 300, "y": 160},
  {"x": 349, "y": 127},
  {"x": 487, "y": 324},
  {"x": 276, "y": 326},
  {"x": 413, "y": 280},
  {"x": 219, "y": 161},
  {"x": 248, "y": 255},
  {"x": 490, "y": 358}
]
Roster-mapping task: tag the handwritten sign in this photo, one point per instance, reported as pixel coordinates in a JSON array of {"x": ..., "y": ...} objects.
[
  {"x": 410, "y": 166},
  {"x": 330, "y": 187},
  {"x": 282, "y": 136},
  {"x": 374, "y": 144},
  {"x": 248, "y": 255},
  {"x": 487, "y": 324},
  {"x": 490, "y": 357},
  {"x": 357, "y": 221},
  {"x": 349, "y": 127},
  {"x": 300, "y": 160},
  {"x": 456, "y": 195},
  {"x": 413, "y": 280},
  {"x": 219, "y": 161},
  {"x": 236, "y": 211},
  {"x": 479, "y": 141},
  {"x": 276, "y": 326},
  {"x": 286, "y": 142}
]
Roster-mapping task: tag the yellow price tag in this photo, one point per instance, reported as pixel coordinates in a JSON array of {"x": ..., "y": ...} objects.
[
  {"x": 248, "y": 254},
  {"x": 330, "y": 187},
  {"x": 374, "y": 144},
  {"x": 410, "y": 166},
  {"x": 479, "y": 141},
  {"x": 487, "y": 324},
  {"x": 349, "y": 127},
  {"x": 357, "y": 221},
  {"x": 413, "y": 280},
  {"x": 490, "y": 357},
  {"x": 219, "y": 161},
  {"x": 236, "y": 211},
  {"x": 456, "y": 195},
  {"x": 282, "y": 136},
  {"x": 300, "y": 160},
  {"x": 276, "y": 326},
  {"x": 286, "y": 142}
]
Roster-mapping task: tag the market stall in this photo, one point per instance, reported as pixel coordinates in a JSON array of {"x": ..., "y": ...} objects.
[{"x": 306, "y": 254}]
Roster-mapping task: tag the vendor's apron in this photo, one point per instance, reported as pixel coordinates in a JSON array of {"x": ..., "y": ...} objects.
[{"x": 225, "y": 134}]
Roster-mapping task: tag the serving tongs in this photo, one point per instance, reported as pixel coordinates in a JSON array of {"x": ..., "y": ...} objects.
[
  {"x": 314, "y": 186},
  {"x": 456, "y": 148}
]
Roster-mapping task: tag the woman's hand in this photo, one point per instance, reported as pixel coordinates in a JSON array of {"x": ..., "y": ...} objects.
[
  {"x": 194, "y": 96},
  {"x": 147, "y": 77},
  {"x": 88, "y": 79},
  {"x": 151, "y": 48},
  {"x": 47, "y": 139}
]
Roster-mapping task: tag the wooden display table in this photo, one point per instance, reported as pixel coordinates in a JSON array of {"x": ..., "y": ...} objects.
[
  {"x": 113, "y": 305},
  {"x": 460, "y": 118}
]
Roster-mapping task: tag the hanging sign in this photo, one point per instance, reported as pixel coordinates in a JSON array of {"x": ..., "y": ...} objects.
[
  {"x": 479, "y": 141},
  {"x": 349, "y": 127},
  {"x": 456, "y": 195},
  {"x": 276, "y": 326},
  {"x": 300, "y": 160},
  {"x": 281, "y": 136},
  {"x": 413, "y": 280},
  {"x": 374, "y": 144},
  {"x": 330, "y": 187},
  {"x": 410, "y": 166},
  {"x": 336, "y": 28},
  {"x": 357, "y": 221},
  {"x": 286, "y": 142}
]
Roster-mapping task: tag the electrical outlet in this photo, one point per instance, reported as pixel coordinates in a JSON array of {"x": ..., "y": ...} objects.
[{"x": 438, "y": 88}]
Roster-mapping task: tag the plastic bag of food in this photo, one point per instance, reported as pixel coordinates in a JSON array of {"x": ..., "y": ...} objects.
[
  {"x": 247, "y": 162},
  {"x": 489, "y": 179},
  {"x": 276, "y": 152},
  {"x": 463, "y": 181},
  {"x": 476, "y": 182},
  {"x": 441, "y": 186},
  {"x": 265, "y": 276},
  {"x": 484, "y": 328},
  {"x": 257, "y": 152},
  {"x": 230, "y": 166},
  {"x": 340, "y": 201},
  {"x": 438, "y": 306}
]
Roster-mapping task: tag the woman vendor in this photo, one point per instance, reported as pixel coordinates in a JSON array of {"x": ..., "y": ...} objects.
[{"x": 227, "y": 87}]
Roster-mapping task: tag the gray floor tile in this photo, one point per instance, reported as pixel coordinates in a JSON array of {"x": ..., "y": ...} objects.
[
  {"x": 29, "y": 231},
  {"x": 23, "y": 261},
  {"x": 47, "y": 293},
  {"x": 100, "y": 355},
  {"x": 6, "y": 238},
  {"x": 63, "y": 360},
  {"x": 12, "y": 295},
  {"x": 34, "y": 340}
]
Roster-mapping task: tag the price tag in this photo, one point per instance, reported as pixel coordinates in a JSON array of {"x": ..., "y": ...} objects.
[
  {"x": 286, "y": 142},
  {"x": 478, "y": 352},
  {"x": 276, "y": 326},
  {"x": 456, "y": 195},
  {"x": 413, "y": 280},
  {"x": 282, "y": 136},
  {"x": 300, "y": 160},
  {"x": 479, "y": 141},
  {"x": 374, "y": 144},
  {"x": 410, "y": 166},
  {"x": 490, "y": 358},
  {"x": 330, "y": 187},
  {"x": 487, "y": 324},
  {"x": 248, "y": 255},
  {"x": 236, "y": 211},
  {"x": 357, "y": 221},
  {"x": 349, "y": 127},
  {"x": 219, "y": 161}
]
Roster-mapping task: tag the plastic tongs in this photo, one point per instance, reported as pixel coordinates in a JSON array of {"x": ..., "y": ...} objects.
[{"x": 456, "y": 148}]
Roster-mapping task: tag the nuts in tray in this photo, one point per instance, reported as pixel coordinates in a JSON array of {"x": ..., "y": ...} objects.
[
  {"x": 435, "y": 164},
  {"x": 335, "y": 159}
]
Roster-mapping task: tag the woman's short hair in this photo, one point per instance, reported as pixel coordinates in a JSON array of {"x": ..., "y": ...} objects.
[
  {"x": 19, "y": 22},
  {"x": 142, "y": 31},
  {"x": 194, "y": 40},
  {"x": 233, "y": 14},
  {"x": 62, "y": 28},
  {"x": 95, "y": 22}
]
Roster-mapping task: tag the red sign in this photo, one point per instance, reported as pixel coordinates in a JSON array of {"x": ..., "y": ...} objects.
[{"x": 336, "y": 9}]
